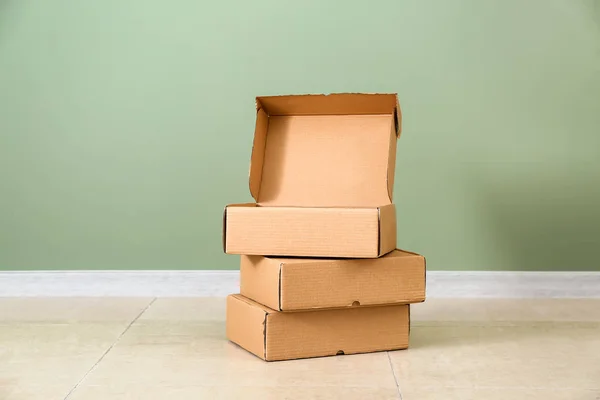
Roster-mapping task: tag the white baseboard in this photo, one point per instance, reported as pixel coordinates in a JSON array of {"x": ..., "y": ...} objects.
[
  {"x": 441, "y": 284},
  {"x": 513, "y": 284}
]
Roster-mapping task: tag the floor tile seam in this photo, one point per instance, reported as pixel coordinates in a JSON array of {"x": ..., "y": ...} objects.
[
  {"x": 394, "y": 375},
  {"x": 108, "y": 349}
]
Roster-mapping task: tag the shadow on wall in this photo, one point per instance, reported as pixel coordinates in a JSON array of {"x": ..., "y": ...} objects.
[
  {"x": 542, "y": 220},
  {"x": 595, "y": 12}
]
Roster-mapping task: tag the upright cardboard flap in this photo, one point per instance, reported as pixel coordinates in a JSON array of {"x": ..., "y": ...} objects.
[
  {"x": 332, "y": 104},
  {"x": 325, "y": 151}
]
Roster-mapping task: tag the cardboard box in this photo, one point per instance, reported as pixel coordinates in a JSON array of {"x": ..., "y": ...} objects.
[
  {"x": 274, "y": 335},
  {"x": 322, "y": 177},
  {"x": 294, "y": 284}
]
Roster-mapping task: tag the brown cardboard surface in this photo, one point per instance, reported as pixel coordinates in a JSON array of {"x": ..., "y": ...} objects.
[
  {"x": 258, "y": 152},
  {"x": 387, "y": 228},
  {"x": 309, "y": 232},
  {"x": 325, "y": 148},
  {"x": 333, "y": 104},
  {"x": 295, "y": 284},
  {"x": 322, "y": 151},
  {"x": 246, "y": 322},
  {"x": 328, "y": 161},
  {"x": 273, "y": 335}
]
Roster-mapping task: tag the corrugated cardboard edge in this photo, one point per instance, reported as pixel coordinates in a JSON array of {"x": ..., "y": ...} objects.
[
  {"x": 425, "y": 273},
  {"x": 409, "y": 324},
  {"x": 391, "y": 174},
  {"x": 379, "y": 232},
  {"x": 242, "y": 339},
  {"x": 225, "y": 216},
  {"x": 397, "y": 114},
  {"x": 257, "y": 153},
  {"x": 424, "y": 270},
  {"x": 387, "y": 229},
  {"x": 398, "y": 118},
  {"x": 391, "y": 167},
  {"x": 279, "y": 288},
  {"x": 260, "y": 280},
  {"x": 349, "y": 307},
  {"x": 266, "y": 324},
  {"x": 224, "y": 232}
]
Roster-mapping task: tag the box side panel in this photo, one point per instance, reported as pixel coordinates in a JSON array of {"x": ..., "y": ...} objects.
[
  {"x": 331, "y": 332},
  {"x": 408, "y": 323},
  {"x": 327, "y": 161},
  {"x": 408, "y": 278},
  {"x": 259, "y": 280},
  {"x": 245, "y": 325},
  {"x": 225, "y": 215},
  {"x": 353, "y": 282},
  {"x": 391, "y": 168},
  {"x": 258, "y": 152},
  {"x": 308, "y": 232},
  {"x": 387, "y": 229},
  {"x": 333, "y": 104}
]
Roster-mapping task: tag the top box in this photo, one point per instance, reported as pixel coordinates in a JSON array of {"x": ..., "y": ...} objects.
[{"x": 322, "y": 175}]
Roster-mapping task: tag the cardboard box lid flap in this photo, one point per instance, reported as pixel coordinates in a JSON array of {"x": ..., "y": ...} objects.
[
  {"x": 331, "y": 104},
  {"x": 324, "y": 150}
]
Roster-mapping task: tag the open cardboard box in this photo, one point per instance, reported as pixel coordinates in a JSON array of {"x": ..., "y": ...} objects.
[
  {"x": 299, "y": 284},
  {"x": 322, "y": 175},
  {"x": 274, "y": 335}
]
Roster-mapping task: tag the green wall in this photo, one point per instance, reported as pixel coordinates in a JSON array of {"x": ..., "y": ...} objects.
[{"x": 126, "y": 125}]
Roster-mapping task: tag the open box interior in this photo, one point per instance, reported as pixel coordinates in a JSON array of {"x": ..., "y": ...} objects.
[
  {"x": 322, "y": 177},
  {"x": 325, "y": 151}
]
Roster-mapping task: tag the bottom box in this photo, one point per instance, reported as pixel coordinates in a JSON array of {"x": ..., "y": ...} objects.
[{"x": 275, "y": 335}]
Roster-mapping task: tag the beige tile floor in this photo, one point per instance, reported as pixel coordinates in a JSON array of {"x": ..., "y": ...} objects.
[{"x": 107, "y": 348}]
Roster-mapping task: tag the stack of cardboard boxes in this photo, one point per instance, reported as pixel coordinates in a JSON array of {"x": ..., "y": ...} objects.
[{"x": 320, "y": 274}]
